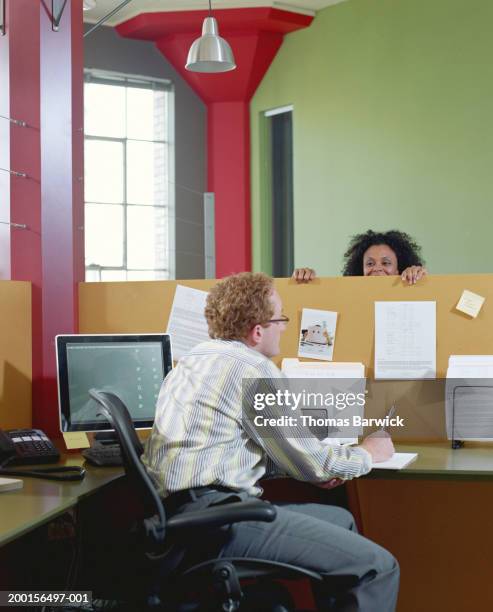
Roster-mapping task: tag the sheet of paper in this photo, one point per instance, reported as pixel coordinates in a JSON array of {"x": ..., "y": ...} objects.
[
  {"x": 294, "y": 368},
  {"x": 317, "y": 334},
  {"x": 470, "y": 303},
  {"x": 470, "y": 360},
  {"x": 470, "y": 366},
  {"x": 187, "y": 324},
  {"x": 398, "y": 461},
  {"x": 405, "y": 340},
  {"x": 10, "y": 484},
  {"x": 75, "y": 439}
]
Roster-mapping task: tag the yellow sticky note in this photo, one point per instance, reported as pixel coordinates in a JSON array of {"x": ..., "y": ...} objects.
[
  {"x": 470, "y": 303},
  {"x": 76, "y": 439}
]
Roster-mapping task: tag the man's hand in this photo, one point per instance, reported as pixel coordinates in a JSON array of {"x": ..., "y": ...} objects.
[
  {"x": 379, "y": 445},
  {"x": 413, "y": 274},
  {"x": 304, "y": 275},
  {"x": 330, "y": 484}
]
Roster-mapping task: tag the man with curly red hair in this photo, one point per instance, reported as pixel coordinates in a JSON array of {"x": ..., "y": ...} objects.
[{"x": 202, "y": 453}]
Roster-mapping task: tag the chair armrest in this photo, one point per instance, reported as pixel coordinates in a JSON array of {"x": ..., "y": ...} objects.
[{"x": 216, "y": 516}]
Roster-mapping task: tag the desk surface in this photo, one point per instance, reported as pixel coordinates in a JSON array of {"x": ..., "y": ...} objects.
[
  {"x": 40, "y": 501},
  {"x": 439, "y": 461}
]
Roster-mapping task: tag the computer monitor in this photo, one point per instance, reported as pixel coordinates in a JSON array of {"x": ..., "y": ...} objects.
[{"x": 132, "y": 366}]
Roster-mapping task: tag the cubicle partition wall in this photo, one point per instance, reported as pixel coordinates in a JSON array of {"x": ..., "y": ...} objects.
[
  {"x": 434, "y": 520},
  {"x": 15, "y": 354},
  {"x": 145, "y": 307}
]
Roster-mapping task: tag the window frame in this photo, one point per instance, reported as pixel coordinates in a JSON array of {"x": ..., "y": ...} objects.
[{"x": 156, "y": 84}]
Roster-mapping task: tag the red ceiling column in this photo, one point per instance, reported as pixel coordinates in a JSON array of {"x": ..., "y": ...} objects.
[
  {"x": 255, "y": 36},
  {"x": 43, "y": 73}
]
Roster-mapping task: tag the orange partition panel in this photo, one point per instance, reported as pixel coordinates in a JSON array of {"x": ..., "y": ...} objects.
[
  {"x": 145, "y": 307},
  {"x": 15, "y": 354}
]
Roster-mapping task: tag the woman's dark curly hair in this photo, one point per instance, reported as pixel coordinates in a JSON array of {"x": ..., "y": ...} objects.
[{"x": 407, "y": 251}]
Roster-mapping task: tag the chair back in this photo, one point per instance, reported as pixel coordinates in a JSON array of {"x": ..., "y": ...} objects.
[{"x": 131, "y": 449}]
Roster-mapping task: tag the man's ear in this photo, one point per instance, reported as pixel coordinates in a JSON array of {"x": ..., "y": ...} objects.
[{"x": 255, "y": 335}]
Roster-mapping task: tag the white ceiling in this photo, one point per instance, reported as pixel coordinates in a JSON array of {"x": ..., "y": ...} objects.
[{"x": 103, "y": 7}]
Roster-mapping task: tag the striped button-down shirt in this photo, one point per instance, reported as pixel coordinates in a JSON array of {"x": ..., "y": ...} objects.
[{"x": 199, "y": 436}]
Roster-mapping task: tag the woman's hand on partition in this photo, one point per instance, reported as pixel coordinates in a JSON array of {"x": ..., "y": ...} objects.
[
  {"x": 413, "y": 274},
  {"x": 304, "y": 275}
]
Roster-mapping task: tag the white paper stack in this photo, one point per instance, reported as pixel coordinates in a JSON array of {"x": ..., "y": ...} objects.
[
  {"x": 470, "y": 366},
  {"x": 469, "y": 397},
  {"x": 294, "y": 368}
]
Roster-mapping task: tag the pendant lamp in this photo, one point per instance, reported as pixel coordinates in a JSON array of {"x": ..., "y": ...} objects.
[{"x": 210, "y": 52}]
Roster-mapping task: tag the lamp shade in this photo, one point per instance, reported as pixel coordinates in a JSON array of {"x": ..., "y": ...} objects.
[{"x": 210, "y": 52}]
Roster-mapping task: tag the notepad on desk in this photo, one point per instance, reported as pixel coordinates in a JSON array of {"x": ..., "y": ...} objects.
[
  {"x": 10, "y": 484},
  {"x": 398, "y": 461}
]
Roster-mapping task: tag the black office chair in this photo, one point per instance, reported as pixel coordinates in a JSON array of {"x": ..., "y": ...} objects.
[{"x": 168, "y": 545}]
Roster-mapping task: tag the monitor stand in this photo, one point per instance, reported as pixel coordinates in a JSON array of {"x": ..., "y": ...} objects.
[{"x": 106, "y": 437}]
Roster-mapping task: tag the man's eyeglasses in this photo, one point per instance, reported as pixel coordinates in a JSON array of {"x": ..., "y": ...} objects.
[{"x": 283, "y": 319}]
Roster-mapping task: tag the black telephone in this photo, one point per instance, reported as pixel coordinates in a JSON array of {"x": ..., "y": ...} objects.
[
  {"x": 32, "y": 446},
  {"x": 26, "y": 446}
]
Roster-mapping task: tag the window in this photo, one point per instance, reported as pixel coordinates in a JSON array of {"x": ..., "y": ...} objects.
[{"x": 129, "y": 182}]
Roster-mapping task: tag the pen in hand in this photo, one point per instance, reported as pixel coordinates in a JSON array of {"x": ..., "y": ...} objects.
[
  {"x": 379, "y": 443},
  {"x": 388, "y": 416}
]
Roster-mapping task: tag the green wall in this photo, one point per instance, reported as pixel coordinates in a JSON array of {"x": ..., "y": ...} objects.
[{"x": 392, "y": 128}]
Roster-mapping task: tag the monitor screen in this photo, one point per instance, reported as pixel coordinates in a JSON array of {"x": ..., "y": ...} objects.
[{"x": 132, "y": 366}]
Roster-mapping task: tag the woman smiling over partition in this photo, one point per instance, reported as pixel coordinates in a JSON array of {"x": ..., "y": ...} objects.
[{"x": 378, "y": 254}]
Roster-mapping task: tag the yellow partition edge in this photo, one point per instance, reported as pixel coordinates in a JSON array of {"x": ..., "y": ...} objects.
[{"x": 15, "y": 354}]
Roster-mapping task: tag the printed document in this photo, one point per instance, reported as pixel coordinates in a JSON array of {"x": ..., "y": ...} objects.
[
  {"x": 405, "y": 340},
  {"x": 187, "y": 324}
]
